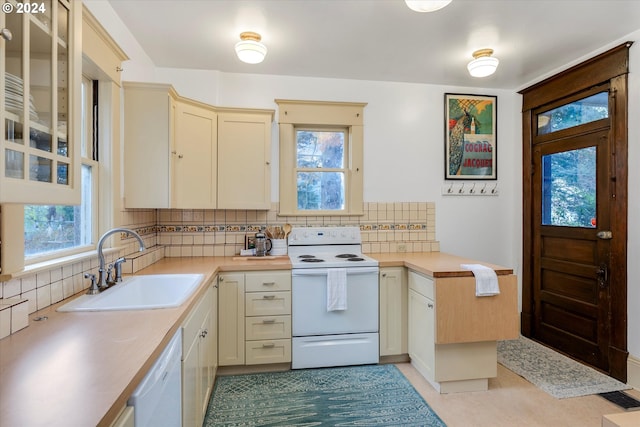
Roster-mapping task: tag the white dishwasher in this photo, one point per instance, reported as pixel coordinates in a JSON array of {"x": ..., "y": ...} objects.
[{"x": 158, "y": 399}]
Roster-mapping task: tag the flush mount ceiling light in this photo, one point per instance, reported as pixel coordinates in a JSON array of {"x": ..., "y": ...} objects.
[
  {"x": 249, "y": 49},
  {"x": 426, "y": 5},
  {"x": 484, "y": 64}
]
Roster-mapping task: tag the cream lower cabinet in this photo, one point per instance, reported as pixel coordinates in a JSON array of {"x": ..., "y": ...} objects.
[
  {"x": 453, "y": 334},
  {"x": 199, "y": 358},
  {"x": 254, "y": 318},
  {"x": 393, "y": 311},
  {"x": 126, "y": 418},
  {"x": 231, "y": 319},
  {"x": 268, "y": 317}
]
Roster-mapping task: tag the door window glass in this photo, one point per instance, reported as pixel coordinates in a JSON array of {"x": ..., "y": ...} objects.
[
  {"x": 569, "y": 188},
  {"x": 585, "y": 110}
]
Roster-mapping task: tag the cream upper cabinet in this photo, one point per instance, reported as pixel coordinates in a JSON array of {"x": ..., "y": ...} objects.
[
  {"x": 184, "y": 154},
  {"x": 170, "y": 149},
  {"x": 244, "y": 160},
  {"x": 40, "y": 154},
  {"x": 149, "y": 115},
  {"x": 194, "y": 157}
]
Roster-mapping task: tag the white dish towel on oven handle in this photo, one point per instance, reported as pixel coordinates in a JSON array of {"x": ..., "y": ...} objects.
[
  {"x": 486, "y": 279},
  {"x": 336, "y": 289}
]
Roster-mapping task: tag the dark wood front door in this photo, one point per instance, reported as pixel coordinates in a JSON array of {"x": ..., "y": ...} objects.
[
  {"x": 575, "y": 212},
  {"x": 570, "y": 262}
]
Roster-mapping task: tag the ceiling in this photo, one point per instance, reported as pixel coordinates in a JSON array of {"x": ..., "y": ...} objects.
[{"x": 380, "y": 39}]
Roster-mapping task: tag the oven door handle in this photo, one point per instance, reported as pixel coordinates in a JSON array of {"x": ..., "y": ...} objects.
[{"x": 324, "y": 271}]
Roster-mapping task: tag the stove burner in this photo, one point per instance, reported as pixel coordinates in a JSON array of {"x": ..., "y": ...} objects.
[
  {"x": 311, "y": 260},
  {"x": 306, "y": 256},
  {"x": 355, "y": 259},
  {"x": 347, "y": 256}
]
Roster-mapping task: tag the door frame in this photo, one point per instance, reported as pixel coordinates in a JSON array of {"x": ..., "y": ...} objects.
[{"x": 611, "y": 66}]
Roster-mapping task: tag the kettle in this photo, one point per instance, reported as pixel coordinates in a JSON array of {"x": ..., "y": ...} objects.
[{"x": 262, "y": 244}]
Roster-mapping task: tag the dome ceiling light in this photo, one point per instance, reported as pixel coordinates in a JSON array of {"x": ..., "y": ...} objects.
[
  {"x": 249, "y": 49},
  {"x": 483, "y": 64},
  {"x": 426, "y": 5}
]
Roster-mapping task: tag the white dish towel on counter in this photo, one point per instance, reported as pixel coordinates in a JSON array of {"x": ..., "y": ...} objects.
[
  {"x": 336, "y": 289},
  {"x": 486, "y": 279}
]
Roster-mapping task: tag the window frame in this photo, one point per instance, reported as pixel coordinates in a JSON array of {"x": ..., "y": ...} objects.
[
  {"x": 86, "y": 154},
  {"x": 322, "y": 115}
]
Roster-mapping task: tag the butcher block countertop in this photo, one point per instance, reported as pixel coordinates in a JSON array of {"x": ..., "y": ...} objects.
[
  {"x": 79, "y": 369},
  {"x": 434, "y": 264}
]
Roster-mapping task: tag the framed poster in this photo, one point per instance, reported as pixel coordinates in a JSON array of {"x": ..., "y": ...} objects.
[{"x": 470, "y": 137}]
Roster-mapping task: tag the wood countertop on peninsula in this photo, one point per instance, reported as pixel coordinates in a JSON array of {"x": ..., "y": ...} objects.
[{"x": 78, "y": 369}]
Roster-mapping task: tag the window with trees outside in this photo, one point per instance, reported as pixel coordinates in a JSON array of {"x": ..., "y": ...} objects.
[
  {"x": 320, "y": 169},
  {"x": 54, "y": 230},
  {"x": 321, "y": 158}
]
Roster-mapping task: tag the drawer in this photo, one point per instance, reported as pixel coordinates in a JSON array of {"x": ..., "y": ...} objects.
[
  {"x": 268, "y": 351},
  {"x": 267, "y": 303},
  {"x": 421, "y": 284},
  {"x": 268, "y": 281},
  {"x": 267, "y": 328}
]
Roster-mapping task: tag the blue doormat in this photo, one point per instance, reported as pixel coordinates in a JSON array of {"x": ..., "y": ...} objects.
[{"x": 372, "y": 395}]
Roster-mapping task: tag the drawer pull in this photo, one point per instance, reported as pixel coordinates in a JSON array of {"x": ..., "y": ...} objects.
[
  {"x": 268, "y": 283},
  {"x": 268, "y": 296},
  {"x": 269, "y": 345},
  {"x": 269, "y": 321}
]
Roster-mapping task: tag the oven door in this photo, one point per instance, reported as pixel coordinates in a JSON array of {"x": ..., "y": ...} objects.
[{"x": 309, "y": 303}]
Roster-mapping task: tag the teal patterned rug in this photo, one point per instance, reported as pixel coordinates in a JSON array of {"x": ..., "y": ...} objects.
[{"x": 372, "y": 395}]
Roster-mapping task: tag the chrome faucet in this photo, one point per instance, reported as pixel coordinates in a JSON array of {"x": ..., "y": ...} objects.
[{"x": 102, "y": 273}]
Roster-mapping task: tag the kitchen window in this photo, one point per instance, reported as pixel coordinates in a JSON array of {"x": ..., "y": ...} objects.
[
  {"x": 321, "y": 152},
  {"x": 56, "y": 230}
]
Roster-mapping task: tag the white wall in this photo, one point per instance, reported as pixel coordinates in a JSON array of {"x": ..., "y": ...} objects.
[{"x": 404, "y": 149}]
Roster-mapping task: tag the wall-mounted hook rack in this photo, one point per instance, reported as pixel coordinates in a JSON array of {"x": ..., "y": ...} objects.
[{"x": 469, "y": 189}]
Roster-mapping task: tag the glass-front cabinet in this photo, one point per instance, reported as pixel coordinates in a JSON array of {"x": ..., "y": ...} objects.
[{"x": 41, "y": 64}]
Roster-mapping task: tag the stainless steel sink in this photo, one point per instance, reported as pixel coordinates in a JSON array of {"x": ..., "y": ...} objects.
[{"x": 143, "y": 292}]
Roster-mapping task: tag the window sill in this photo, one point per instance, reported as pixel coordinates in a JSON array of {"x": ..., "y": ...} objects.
[{"x": 53, "y": 263}]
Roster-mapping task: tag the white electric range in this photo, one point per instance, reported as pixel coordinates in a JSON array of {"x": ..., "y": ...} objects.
[{"x": 323, "y": 335}]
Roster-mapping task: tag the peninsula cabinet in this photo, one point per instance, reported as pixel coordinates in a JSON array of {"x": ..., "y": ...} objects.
[
  {"x": 184, "y": 154},
  {"x": 199, "y": 358},
  {"x": 40, "y": 95},
  {"x": 453, "y": 334},
  {"x": 393, "y": 311}
]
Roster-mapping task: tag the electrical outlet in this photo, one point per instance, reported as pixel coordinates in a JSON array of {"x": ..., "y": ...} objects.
[{"x": 402, "y": 248}]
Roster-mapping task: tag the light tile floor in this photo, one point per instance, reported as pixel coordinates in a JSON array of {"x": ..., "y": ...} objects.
[{"x": 512, "y": 401}]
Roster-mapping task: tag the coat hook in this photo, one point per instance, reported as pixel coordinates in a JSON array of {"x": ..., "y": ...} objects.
[
  {"x": 461, "y": 190},
  {"x": 484, "y": 189},
  {"x": 473, "y": 189},
  {"x": 450, "y": 190},
  {"x": 493, "y": 191}
]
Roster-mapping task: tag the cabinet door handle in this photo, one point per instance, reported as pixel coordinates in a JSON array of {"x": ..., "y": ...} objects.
[
  {"x": 204, "y": 333},
  {"x": 269, "y": 321},
  {"x": 268, "y": 296},
  {"x": 268, "y": 345},
  {"x": 429, "y": 305},
  {"x": 268, "y": 283}
]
